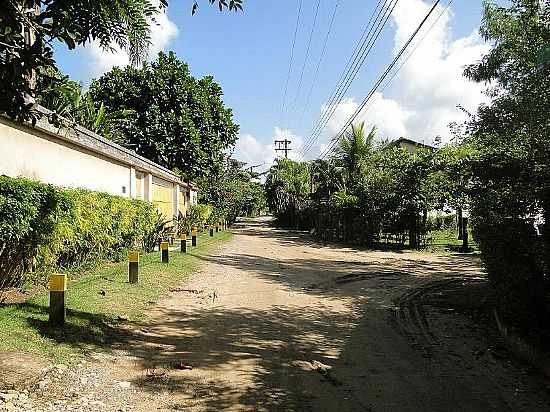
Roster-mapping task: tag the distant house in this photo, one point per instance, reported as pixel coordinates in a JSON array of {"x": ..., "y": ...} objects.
[
  {"x": 76, "y": 157},
  {"x": 410, "y": 145}
]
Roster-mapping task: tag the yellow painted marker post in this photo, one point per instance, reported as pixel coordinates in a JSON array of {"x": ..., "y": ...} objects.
[
  {"x": 183, "y": 245},
  {"x": 164, "y": 252},
  {"x": 194, "y": 237},
  {"x": 58, "y": 287},
  {"x": 211, "y": 231},
  {"x": 133, "y": 266}
]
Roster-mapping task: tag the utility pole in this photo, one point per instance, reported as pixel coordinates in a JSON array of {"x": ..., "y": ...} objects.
[
  {"x": 282, "y": 146},
  {"x": 251, "y": 168}
]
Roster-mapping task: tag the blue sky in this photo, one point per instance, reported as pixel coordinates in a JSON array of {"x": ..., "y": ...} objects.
[{"x": 248, "y": 54}]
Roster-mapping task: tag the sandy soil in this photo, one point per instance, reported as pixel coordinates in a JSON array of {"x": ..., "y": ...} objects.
[{"x": 275, "y": 322}]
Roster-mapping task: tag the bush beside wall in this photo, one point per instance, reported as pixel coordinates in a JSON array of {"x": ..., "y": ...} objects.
[{"x": 45, "y": 229}]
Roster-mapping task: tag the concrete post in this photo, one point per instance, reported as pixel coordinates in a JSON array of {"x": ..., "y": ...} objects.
[
  {"x": 183, "y": 245},
  {"x": 194, "y": 237},
  {"x": 133, "y": 266},
  {"x": 58, "y": 287},
  {"x": 164, "y": 252}
]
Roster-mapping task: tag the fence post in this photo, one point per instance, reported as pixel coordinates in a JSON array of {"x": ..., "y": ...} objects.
[
  {"x": 58, "y": 287},
  {"x": 211, "y": 231},
  {"x": 183, "y": 243},
  {"x": 164, "y": 252},
  {"x": 133, "y": 266},
  {"x": 194, "y": 236}
]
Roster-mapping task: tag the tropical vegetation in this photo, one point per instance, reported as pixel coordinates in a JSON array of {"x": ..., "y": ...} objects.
[
  {"x": 173, "y": 119},
  {"x": 496, "y": 168},
  {"x": 28, "y": 28}
]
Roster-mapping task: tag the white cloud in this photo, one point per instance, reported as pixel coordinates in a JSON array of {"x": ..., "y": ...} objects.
[
  {"x": 163, "y": 31},
  {"x": 429, "y": 86},
  {"x": 248, "y": 149},
  {"x": 386, "y": 114}
]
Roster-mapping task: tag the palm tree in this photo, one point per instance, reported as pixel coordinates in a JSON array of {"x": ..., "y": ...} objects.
[
  {"x": 353, "y": 152},
  {"x": 326, "y": 179}
]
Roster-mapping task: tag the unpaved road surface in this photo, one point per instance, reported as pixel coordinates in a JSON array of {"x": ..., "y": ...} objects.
[{"x": 275, "y": 322}]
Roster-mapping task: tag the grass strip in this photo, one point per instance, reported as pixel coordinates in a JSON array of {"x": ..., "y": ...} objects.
[{"x": 98, "y": 301}]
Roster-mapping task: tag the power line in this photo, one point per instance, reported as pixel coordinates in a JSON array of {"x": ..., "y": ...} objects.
[
  {"x": 329, "y": 148},
  {"x": 321, "y": 57},
  {"x": 380, "y": 80},
  {"x": 308, "y": 48},
  {"x": 409, "y": 55},
  {"x": 291, "y": 58},
  {"x": 353, "y": 58},
  {"x": 363, "y": 52}
]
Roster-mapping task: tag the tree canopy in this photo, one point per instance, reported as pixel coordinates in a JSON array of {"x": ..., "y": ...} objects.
[
  {"x": 510, "y": 187},
  {"x": 28, "y": 29},
  {"x": 176, "y": 120}
]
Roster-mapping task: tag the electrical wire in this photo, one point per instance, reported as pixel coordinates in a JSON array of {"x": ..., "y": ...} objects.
[
  {"x": 359, "y": 109},
  {"x": 321, "y": 57},
  {"x": 409, "y": 55},
  {"x": 364, "y": 50},
  {"x": 301, "y": 79},
  {"x": 291, "y": 59}
]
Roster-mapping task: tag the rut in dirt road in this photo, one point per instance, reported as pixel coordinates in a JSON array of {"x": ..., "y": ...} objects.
[{"x": 275, "y": 322}]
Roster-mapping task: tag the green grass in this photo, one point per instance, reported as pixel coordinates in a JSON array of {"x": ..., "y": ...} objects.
[
  {"x": 446, "y": 240},
  {"x": 93, "y": 319}
]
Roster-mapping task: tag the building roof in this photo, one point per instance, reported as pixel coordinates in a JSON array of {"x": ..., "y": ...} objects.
[
  {"x": 82, "y": 137},
  {"x": 405, "y": 140}
]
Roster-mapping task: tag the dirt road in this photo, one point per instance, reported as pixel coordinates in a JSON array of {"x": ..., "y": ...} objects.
[{"x": 274, "y": 322}]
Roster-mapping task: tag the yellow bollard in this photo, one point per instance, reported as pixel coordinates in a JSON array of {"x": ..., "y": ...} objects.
[
  {"x": 194, "y": 236},
  {"x": 183, "y": 245},
  {"x": 164, "y": 252},
  {"x": 58, "y": 287},
  {"x": 133, "y": 266}
]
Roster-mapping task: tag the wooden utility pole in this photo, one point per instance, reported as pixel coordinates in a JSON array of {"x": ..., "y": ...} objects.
[
  {"x": 282, "y": 146},
  {"x": 251, "y": 168}
]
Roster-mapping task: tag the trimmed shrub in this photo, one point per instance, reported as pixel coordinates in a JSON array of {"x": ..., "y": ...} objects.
[
  {"x": 197, "y": 216},
  {"x": 29, "y": 214},
  {"x": 44, "y": 229}
]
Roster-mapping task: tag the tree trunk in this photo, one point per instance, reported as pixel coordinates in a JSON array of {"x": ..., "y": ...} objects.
[{"x": 459, "y": 222}]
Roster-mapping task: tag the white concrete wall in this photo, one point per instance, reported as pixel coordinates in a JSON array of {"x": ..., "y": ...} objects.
[{"x": 36, "y": 155}]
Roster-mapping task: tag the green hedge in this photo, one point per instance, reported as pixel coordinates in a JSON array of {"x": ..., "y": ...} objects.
[
  {"x": 44, "y": 228},
  {"x": 198, "y": 216}
]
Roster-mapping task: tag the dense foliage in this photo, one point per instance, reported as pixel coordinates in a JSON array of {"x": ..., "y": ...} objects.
[
  {"x": 176, "y": 120},
  {"x": 365, "y": 193},
  {"x": 510, "y": 173},
  {"x": 287, "y": 190},
  {"x": 498, "y": 171},
  {"x": 28, "y": 28},
  {"x": 234, "y": 192},
  {"x": 71, "y": 105},
  {"x": 43, "y": 228},
  {"x": 196, "y": 217}
]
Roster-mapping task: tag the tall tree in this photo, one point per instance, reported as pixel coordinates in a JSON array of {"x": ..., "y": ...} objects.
[
  {"x": 29, "y": 27},
  {"x": 511, "y": 175},
  {"x": 353, "y": 151},
  {"x": 178, "y": 121}
]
